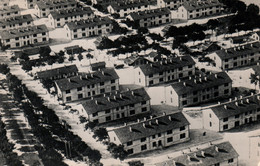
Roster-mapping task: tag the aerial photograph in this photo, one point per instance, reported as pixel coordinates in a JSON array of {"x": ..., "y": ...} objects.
[{"x": 129, "y": 82}]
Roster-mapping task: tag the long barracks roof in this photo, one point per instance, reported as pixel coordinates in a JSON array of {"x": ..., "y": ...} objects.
[
  {"x": 87, "y": 79},
  {"x": 115, "y": 100},
  {"x": 194, "y": 5},
  {"x": 8, "y": 9},
  {"x": 126, "y": 5},
  {"x": 166, "y": 65},
  {"x": 208, "y": 156},
  {"x": 237, "y": 107},
  {"x": 150, "y": 127},
  {"x": 89, "y": 23},
  {"x": 58, "y": 71},
  {"x": 200, "y": 83},
  {"x": 149, "y": 13},
  {"x": 13, "y": 33},
  {"x": 53, "y": 3},
  {"x": 239, "y": 50},
  {"x": 16, "y": 20},
  {"x": 71, "y": 12}
]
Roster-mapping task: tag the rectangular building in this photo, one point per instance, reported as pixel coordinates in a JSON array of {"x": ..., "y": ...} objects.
[
  {"x": 235, "y": 57},
  {"x": 44, "y": 7},
  {"x": 197, "y": 90},
  {"x": 232, "y": 114},
  {"x": 125, "y": 8},
  {"x": 87, "y": 85},
  {"x": 151, "y": 18},
  {"x": 29, "y": 4},
  {"x": 32, "y": 35},
  {"x": 195, "y": 9},
  {"x": 170, "y": 4},
  {"x": 58, "y": 73},
  {"x": 62, "y": 17},
  {"x": 150, "y": 134},
  {"x": 164, "y": 71},
  {"x": 16, "y": 22},
  {"x": 9, "y": 11},
  {"x": 222, "y": 154},
  {"x": 117, "y": 106},
  {"x": 88, "y": 28}
]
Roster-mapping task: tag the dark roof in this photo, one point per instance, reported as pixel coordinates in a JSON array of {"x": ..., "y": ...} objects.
[
  {"x": 236, "y": 107},
  {"x": 126, "y": 5},
  {"x": 72, "y": 47},
  {"x": 8, "y": 9},
  {"x": 193, "y": 5},
  {"x": 149, "y": 13},
  {"x": 133, "y": 58},
  {"x": 200, "y": 83},
  {"x": 56, "y": 72},
  {"x": 13, "y": 33},
  {"x": 32, "y": 50},
  {"x": 137, "y": 131},
  {"x": 115, "y": 100},
  {"x": 89, "y": 23},
  {"x": 16, "y": 20},
  {"x": 98, "y": 64},
  {"x": 87, "y": 79},
  {"x": 165, "y": 65},
  {"x": 256, "y": 69},
  {"x": 238, "y": 51},
  {"x": 211, "y": 156},
  {"x": 71, "y": 12},
  {"x": 53, "y": 3}
]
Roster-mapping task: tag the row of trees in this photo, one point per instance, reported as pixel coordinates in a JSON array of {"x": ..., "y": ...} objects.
[{"x": 45, "y": 124}]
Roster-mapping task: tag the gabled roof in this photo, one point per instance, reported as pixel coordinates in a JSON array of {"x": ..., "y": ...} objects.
[
  {"x": 98, "y": 64},
  {"x": 13, "y": 33},
  {"x": 239, "y": 50},
  {"x": 71, "y": 12},
  {"x": 194, "y": 5},
  {"x": 126, "y": 5},
  {"x": 208, "y": 156},
  {"x": 56, "y": 72},
  {"x": 132, "y": 59},
  {"x": 149, "y": 13},
  {"x": 89, "y": 23},
  {"x": 8, "y": 9},
  {"x": 87, "y": 79},
  {"x": 115, "y": 100},
  {"x": 258, "y": 33},
  {"x": 16, "y": 20},
  {"x": 166, "y": 65},
  {"x": 53, "y": 3},
  {"x": 237, "y": 106},
  {"x": 151, "y": 127},
  {"x": 200, "y": 83},
  {"x": 31, "y": 50}
]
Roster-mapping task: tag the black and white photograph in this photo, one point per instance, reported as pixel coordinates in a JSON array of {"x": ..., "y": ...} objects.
[{"x": 129, "y": 82}]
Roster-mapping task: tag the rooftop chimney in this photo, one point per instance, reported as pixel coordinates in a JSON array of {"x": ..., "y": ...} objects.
[
  {"x": 202, "y": 153},
  {"x": 170, "y": 118},
  {"x": 96, "y": 102},
  {"x": 225, "y": 106},
  {"x": 164, "y": 113},
  {"x": 184, "y": 83},
  {"x": 108, "y": 98},
  {"x": 130, "y": 129},
  {"x": 247, "y": 100},
  {"x": 125, "y": 124},
  {"x": 138, "y": 120},
  {"x": 230, "y": 99},
  {"x": 132, "y": 92},
  {"x": 236, "y": 103},
  {"x": 156, "y": 121},
  {"x": 144, "y": 125},
  {"x": 216, "y": 148},
  {"x": 144, "y": 118}
]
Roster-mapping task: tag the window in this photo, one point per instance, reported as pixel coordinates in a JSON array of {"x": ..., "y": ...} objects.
[
  {"x": 102, "y": 83},
  {"x": 169, "y": 139},
  {"x": 180, "y": 75},
  {"x": 184, "y": 102},
  {"x": 216, "y": 94},
  {"x": 195, "y": 92},
  {"x": 195, "y": 99},
  {"x": 180, "y": 68},
  {"x": 210, "y": 124},
  {"x": 93, "y": 92},
  {"x": 80, "y": 96},
  {"x": 107, "y": 111},
  {"x": 184, "y": 95},
  {"x": 79, "y": 89},
  {"x": 17, "y": 38},
  {"x": 161, "y": 79},
  {"x": 225, "y": 119},
  {"x": 225, "y": 126},
  {"x": 183, "y": 135},
  {"x": 151, "y": 75},
  {"x": 154, "y": 144},
  {"x": 75, "y": 36},
  {"x": 169, "y": 132},
  {"x": 230, "y": 160},
  {"x": 95, "y": 114},
  {"x": 67, "y": 91},
  {"x": 108, "y": 118},
  {"x": 102, "y": 90},
  {"x": 129, "y": 143},
  {"x": 143, "y": 102},
  {"x": 161, "y": 73},
  {"x": 216, "y": 164},
  {"x": 153, "y": 136},
  {"x": 144, "y": 109},
  {"x": 17, "y": 44},
  {"x": 159, "y": 135},
  {"x": 182, "y": 128},
  {"x": 68, "y": 98},
  {"x": 236, "y": 116},
  {"x": 226, "y": 91},
  {"x": 143, "y": 139},
  {"x": 226, "y": 84},
  {"x": 143, "y": 147},
  {"x": 113, "y": 88},
  {"x": 190, "y": 66},
  {"x": 151, "y": 82},
  {"x": 130, "y": 151},
  {"x": 113, "y": 81},
  {"x": 132, "y": 112}
]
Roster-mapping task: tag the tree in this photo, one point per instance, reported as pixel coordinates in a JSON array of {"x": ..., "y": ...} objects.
[
  {"x": 80, "y": 56},
  {"x": 253, "y": 10},
  {"x": 82, "y": 119},
  {"x": 155, "y": 37},
  {"x": 47, "y": 83},
  {"x": 212, "y": 24},
  {"x": 4, "y": 69},
  {"x": 90, "y": 125},
  {"x": 135, "y": 163},
  {"x": 254, "y": 79},
  {"x": 117, "y": 151},
  {"x": 240, "y": 6},
  {"x": 27, "y": 66},
  {"x": 101, "y": 134},
  {"x": 71, "y": 58},
  {"x": 142, "y": 30}
]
